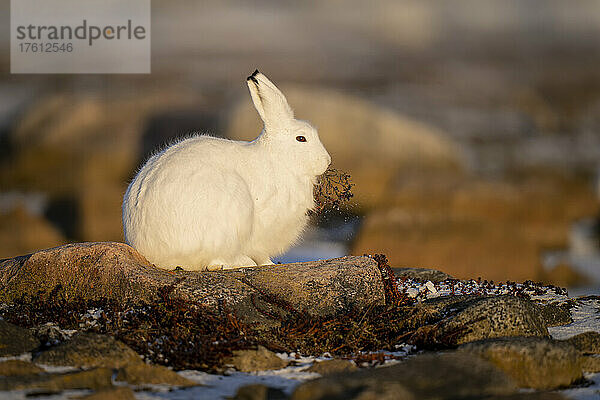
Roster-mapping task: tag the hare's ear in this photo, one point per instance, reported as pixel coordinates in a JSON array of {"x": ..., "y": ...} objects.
[{"x": 270, "y": 103}]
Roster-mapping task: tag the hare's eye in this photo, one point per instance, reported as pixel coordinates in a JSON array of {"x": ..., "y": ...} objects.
[{"x": 301, "y": 138}]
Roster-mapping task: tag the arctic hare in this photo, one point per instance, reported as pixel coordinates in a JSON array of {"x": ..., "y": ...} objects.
[{"x": 211, "y": 203}]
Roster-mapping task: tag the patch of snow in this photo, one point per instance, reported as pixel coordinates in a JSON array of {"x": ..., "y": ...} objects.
[
  {"x": 21, "y": 357},
  {"x": 591, "y": 392},
  {"x": 225, "y": 386},
  {"x": 586, "y": 317},
  {"x": 57, "y": 369}
]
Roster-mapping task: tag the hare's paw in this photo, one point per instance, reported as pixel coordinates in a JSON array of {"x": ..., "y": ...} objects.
[
  {"x": 237, "y": 262},
  {"x": 263, "y": 261}
]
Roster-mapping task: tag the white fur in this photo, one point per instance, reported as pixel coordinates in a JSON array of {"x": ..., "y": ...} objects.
[{"x": 207, "y": 203}]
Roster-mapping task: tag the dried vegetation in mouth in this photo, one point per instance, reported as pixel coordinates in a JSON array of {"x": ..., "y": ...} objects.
[{"x": 333, "y": 190}]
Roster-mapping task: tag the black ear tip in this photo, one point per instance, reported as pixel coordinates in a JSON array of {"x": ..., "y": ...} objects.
[{"x": 252, "y": 77}]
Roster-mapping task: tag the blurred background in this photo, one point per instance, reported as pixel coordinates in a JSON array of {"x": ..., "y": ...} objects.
[{"x": 471, "y": 129}]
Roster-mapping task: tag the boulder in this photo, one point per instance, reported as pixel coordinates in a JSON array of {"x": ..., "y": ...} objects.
[
  {"x": 97, "y": 378},
  {"x": 334, "y": 366},
  {"x": 556, "y": 314},
  {"x": 426, "y": 376},
  {"x": 115, "y": 393},
  {"x": 50, "y": 334},
  {"x": 586, "y": 342},
  {"x": 19, "y": 367},
  {"x": 260, "y": 359},
  {"x": 454, "y": 320},
  {"x": 22, "y": 231},
  {"x": 15, "y": 340},
  {"x": 530, "y": 396},
  {"x": 538, "y": 363},
  {"x": 472, "y": 227},
  {"x": 259, "y": 392},
  {"x": 145, "y": 374},
  {"x": 257, "y": 295},
  {"x": 92, "y": 142},
  {"x": 89, "y": 350},
  {"x": 590, "y": 364},
  {"x": 357, "y": 132}
]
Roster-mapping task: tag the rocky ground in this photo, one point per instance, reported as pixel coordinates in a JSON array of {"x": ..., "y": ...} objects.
[{"x": 397, "y": 333}]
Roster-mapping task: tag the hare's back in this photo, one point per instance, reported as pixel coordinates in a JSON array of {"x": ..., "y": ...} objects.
[
  {"x": 186, "y": 196},
  {"x": 199, "y": 169}
]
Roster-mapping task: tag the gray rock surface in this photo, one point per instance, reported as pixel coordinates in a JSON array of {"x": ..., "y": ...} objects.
[
  {"x": 461, "y": 319},
  {"x": 533, "y": 362},
  {"x": 15, "y": 340},
  {"x": 89, "y": 350},
  {"x": 116, "y": 271},
  {"x": 427, "y": 376},
  {"x": 260, "y": 359},
  {"x": 421, "y": 274}
]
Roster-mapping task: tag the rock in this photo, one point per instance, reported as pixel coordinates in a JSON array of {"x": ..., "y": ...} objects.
[
  {"x": 98, "y": 378},
  {"x": 334, "y": 366},
  {"x": 427, "y": 376},
  {"x": 22, "y": 232},
  {"x": 116, "y": 393},
  {"x": 421, "y": 274},
  {"x": 142, "y": 373},
  {"x": 538, "y": 363},
  {"x": 19, "y": 367},
  {"x": 116, "y": 271},
  {"x": 564, "y": 275},
  {"x": 260, "y": 359},
  {"x": 89, "y": 350},
  {"x": 586, "y": 343},
  {"x": 259, "y": 392},
  {"x": 474, "y": 228},
  {"x": 590, "y": 363},
  {"x": 92, "y": 142},
  {"x": 555, "y": 314},
  {"x": 15, "y": 340},
  {"x": 530, "y": 396},
  {"x": 463, "y": 319},
  {"x": 400, "y": 145},
  {"x": 50, "y": 334}
]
